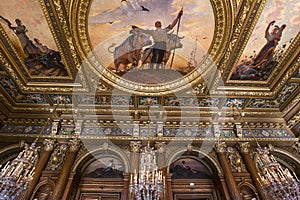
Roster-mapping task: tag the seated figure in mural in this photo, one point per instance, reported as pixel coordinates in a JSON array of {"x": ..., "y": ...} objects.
[
  {"x": 273, "y": 39},
  {"x": 28, "y": 47}
]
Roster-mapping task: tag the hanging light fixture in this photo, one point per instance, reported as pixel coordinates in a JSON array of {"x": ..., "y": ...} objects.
[
  {"x": 16, "y": 174},
  {"x": 149, "y": 182},
  {"x": 274, "y": 179}
]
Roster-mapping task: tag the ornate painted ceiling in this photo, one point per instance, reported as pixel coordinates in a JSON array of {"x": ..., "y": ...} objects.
[{"x": 222, "y": 57}]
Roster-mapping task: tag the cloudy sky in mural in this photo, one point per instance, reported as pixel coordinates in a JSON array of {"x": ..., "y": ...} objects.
[
  {"x": 283, "y": 12},
  {"x": 111, "y": 20},
  {"x": 31, "y": 15}
]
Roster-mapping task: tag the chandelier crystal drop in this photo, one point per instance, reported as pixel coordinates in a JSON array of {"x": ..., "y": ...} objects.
[
  {"x": 275, "y": 180},
  {"x": 148, "y": 183},
  {"x": 16, "y": 175}
]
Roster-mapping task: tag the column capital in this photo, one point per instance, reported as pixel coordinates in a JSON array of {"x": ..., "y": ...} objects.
[
  {"x": 74, "y": 145},
  {"x": 135, "y": 146},
  {"x": 160, "y": 146},
  {"x": 220, "y": 147},
  {"x": 49, "y": 144},
  {"x": 244, "y": 147}
]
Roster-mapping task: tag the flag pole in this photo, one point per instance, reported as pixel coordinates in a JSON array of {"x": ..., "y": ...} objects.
[{"x": 178, "y": 24}]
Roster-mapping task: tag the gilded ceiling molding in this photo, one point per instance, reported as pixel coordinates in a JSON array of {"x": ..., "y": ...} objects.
[
  {"x": 55, "y": 12},
  {"x": 23, "y": 84},
  {"x": 57, "y": 18},
  {"x": 11, "y": 58},
  {"x": 295, "y": 119},
  {"x": 223, "y": 19},
  {"x": 291, "y": 104},
  {"x": 245, "y": 23},
  {"x": 288, "y": 62}
]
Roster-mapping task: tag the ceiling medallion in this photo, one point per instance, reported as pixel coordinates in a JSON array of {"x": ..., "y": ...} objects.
[{"x": 151, "y": 47}]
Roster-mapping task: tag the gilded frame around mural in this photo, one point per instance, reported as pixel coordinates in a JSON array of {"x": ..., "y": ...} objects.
[{"x": 223, "y": 20}]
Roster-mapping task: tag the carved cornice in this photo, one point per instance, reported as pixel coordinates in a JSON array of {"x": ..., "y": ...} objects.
[{"x": 241, "y": 32}]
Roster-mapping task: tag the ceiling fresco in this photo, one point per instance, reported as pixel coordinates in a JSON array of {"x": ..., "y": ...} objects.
[
  {"x": 32, "y": 39},
  {"x": 110, "y": 30},
  {"x": 275, "y": 30},
  {"x": 217, "y": 62}
]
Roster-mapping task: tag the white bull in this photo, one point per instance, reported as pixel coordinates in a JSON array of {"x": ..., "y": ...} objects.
[
  {"x": 173, "y": 42},
  {"x": 129, "y": 52}
]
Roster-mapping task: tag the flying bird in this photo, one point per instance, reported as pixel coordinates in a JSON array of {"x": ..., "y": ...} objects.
[{"x": 145, "y": 9}]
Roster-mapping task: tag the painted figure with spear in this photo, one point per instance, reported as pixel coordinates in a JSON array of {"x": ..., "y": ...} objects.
[{"x": 159, "y": 36}]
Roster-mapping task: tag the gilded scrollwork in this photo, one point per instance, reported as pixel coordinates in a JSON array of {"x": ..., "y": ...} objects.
[
  {"x": 49, "y": 144},
  {"x": 160, "y": 146},
  {"x": 296, "y": 147},
  {"x": 235, "y": 160},
  {"x": 220, "y": 147},
  {"x": 58, "y": 156},
  {"x": 74, "y": 145},
  {"x": 244, "y": 147}
]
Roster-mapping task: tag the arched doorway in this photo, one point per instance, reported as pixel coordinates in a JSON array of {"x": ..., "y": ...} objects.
[
  {"x": 101, "y": 175},
  {"x": 193, "y": 177}
]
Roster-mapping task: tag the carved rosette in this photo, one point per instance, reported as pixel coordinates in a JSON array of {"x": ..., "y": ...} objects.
[
  {"x": 49, "y": 144},
  {"x": 74, "y": 145},
  {"x": 220, "y": 147},
  {"x": 160, "y": 147},
  {"x": 135, "y": 146},
  {"x": 244, "y": 147}
]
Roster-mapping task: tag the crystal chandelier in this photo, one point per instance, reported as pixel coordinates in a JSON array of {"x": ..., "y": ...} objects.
[
  {"x": 278, "y": 182},
  {"x": 275, "y": 180},
  {"x": 148, "y": 183},
  {"x": 16, "y": 175}
]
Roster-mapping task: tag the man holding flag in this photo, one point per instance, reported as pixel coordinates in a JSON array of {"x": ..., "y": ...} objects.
[{"x": 159, "y": 36}]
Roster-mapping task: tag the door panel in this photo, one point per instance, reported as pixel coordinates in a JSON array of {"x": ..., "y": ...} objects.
[{"x": 100, "y": 196}]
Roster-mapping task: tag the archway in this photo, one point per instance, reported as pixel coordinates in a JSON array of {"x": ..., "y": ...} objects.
[
  {"x": 100, "y": 174},
  {"x": 194, "y": 176}
]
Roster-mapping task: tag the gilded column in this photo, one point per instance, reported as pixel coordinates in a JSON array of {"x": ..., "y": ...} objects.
[
  {"x": 135, "y": 147},
  {"x": 62, "y": 180},
  {"x": 234, "y": 193},
  {"x": 244, "y": 148},
  {"x": 41, "y": 164}
]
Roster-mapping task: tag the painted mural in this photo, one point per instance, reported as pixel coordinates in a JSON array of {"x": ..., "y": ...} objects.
[
  {"x": 188, "y": 168},
  {"x": 276, "y": 28},
  {"x": 30, "y": 34},
  {"x": 105, "y": 167},
  {"x": 151, "y": 41}
]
